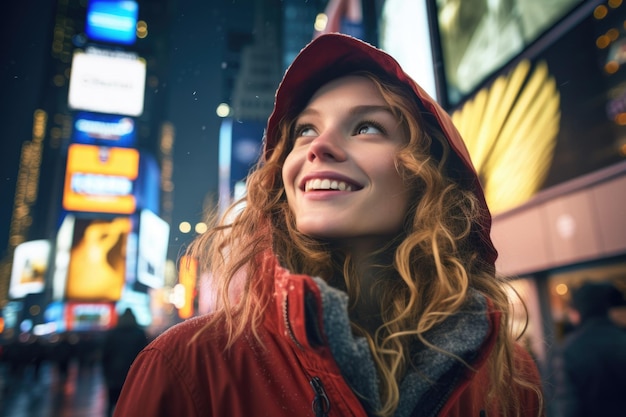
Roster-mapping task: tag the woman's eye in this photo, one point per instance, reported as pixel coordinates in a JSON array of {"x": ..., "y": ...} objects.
[
  {"x": 369, "y": 129},
  {"x": 305, "y": 131}
]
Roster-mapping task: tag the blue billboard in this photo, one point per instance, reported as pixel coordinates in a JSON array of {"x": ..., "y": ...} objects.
[
  {"x": 104, "y": 129},
  {"x": 113, "y": 21}
]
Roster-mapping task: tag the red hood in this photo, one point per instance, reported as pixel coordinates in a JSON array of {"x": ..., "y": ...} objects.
[{"x": 333, "y": 55}]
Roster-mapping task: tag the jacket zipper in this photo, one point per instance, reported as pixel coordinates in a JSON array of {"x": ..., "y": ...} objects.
[
  {"x": 321, "y": 403},
  {"x": 288, "y": 324}
]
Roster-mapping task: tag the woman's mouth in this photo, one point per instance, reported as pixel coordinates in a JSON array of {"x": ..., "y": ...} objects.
[{"x": 326, "y": 184}]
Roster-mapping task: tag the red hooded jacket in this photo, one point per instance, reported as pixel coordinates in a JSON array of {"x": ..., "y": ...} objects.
[
  {"x": 303, "y": 359},
  {"x": 292, "y": 371}
]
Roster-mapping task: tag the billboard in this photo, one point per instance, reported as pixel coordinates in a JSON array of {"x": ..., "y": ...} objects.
[
  {"x": 107, "y": 82},
  {"x": 97, "y": 259},
  {"x": 100, "y": 179},
  {"x": 104, "y": 129},
  {"x": 405, "y": 34},
  {"x": 30, "y": 263},
  {"x": 54, "y": 317},
  {"x": 147, "y": 186},
  {"x": 112, "y": 21},
  {"x": 477, "y": 38},
  {"x": 185, "y": 290},
  {"x": 62, "y": 247},
  {"x": 11, "y": 314},
  {"x": 550, "y": 119},
  {"x": 152, "y": 249},
  {"x": 89, "y": 316},
  {"x": 239, "y": 147}
]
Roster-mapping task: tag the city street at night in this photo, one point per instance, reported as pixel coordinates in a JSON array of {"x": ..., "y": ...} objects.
[
  {"x": 82, "y": 394},
  {"x": 233, "y": 208}
]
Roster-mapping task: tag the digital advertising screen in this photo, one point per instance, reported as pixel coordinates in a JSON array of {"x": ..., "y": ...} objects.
[
  {"x": 239, "y": 147},
  {"x": 30, "y": 263},
  {"x": 152, "y": 249},
  {"x": 405, "y": 34},
  {"x": 112, "y": 21},
  {"x": 107, "y": 82},
  {"x": 89, "y": 316},
  {"x": 100, "y": 179},
  {"x": 97, "y": 259},
  {"x": 11, "y": 313},
  {"x": 185, "y": 290},
  {"x": 104, "y": 130},
  {"x": 62, "y": 247},
  {"x": 530, "y": 128},
  {"x": 54, "y": 317},
  {"x": 479, "y": 37},
  {"x": 148, "y": 184}
]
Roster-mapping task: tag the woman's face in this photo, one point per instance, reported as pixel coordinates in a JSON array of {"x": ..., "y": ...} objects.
[{"x": 340, "y": 178}]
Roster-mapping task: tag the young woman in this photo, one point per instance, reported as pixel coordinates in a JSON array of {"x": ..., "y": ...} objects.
[{"x": 359, "y": 278}]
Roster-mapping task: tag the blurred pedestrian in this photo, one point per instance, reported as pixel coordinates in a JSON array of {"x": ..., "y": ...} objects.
[
  {"x": 592, "y": 374},
  {"x": 357, "y": 276},
  {"x": 119, "y": 349},
  {"x": 61, "y": 353}
]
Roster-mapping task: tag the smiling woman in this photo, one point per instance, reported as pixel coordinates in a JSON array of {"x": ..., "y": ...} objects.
[{"x": 359, "y": 277}]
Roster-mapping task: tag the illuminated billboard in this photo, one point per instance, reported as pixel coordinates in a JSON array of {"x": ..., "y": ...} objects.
[
  {"x": 100, "y": 179},
  {"x": 239, "y": 147},
  {"x": 89, "y": 316},
  {"x": 530, "y": 129},
  {"x": 107, "y": 82},
  {"x": 185, "y": 290},
  {"x": 112, "y": 21},
  {"x": 152, "y": 250},
  {"x": 104, "y": 129},
  {"x": 30, "y": 262},
  {"x": 97, "y": 259},
  {"x": 405, "y": 35},
  {"x": 54, "y": 317},
  {"x": 477, "y": 38},
  {"x": 64, "y": 238}
]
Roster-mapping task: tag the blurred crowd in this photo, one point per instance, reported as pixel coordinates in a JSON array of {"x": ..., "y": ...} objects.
[
  {"x": 25, "y": 355},
  {"x": 113, "y": 351}
]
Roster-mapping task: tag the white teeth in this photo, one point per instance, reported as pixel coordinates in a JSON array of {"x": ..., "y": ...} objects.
[{"x": 326, "y": 184}]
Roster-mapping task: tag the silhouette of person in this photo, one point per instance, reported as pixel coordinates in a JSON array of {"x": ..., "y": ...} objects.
[
  {"x": 120, "y": 347},
  {"x": 593, "y": 362}
]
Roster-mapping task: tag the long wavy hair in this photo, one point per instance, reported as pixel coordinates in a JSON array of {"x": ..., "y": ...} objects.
[{"x": 424, "y": 273}]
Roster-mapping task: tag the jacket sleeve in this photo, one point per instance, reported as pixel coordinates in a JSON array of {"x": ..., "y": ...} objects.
[
  {"x": 154, "y": 388},
  {"x": 531, "y": 401}
]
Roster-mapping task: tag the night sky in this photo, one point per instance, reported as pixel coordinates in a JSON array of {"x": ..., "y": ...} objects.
[{"x": 193, "y": 89}]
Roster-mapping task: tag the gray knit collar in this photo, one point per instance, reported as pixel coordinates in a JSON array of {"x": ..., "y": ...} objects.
[{"x": 425, "y": 389}]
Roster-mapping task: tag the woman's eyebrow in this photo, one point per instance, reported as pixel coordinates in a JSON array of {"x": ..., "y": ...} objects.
[
  {"x": 356, "y": 110},
  {"x": 368, "y": 108}
]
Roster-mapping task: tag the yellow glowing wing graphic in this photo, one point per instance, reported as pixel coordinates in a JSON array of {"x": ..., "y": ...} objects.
[{"x": 510, "y": 130}]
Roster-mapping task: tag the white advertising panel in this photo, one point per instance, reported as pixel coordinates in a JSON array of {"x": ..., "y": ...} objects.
[
  {"x": 30, "y": 262},
  {"x": 107, "y": 83},
  {"x": 153, "y": 240}
]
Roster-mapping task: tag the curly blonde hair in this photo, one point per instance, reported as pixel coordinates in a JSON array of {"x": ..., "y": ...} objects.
[{"x": 425, "y": 272}]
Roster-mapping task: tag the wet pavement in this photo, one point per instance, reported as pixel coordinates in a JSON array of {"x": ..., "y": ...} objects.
[{"x": 48, "y": 394}]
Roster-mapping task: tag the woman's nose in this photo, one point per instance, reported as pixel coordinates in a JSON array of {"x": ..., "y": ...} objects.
[{"x": 327, "y": 146}]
